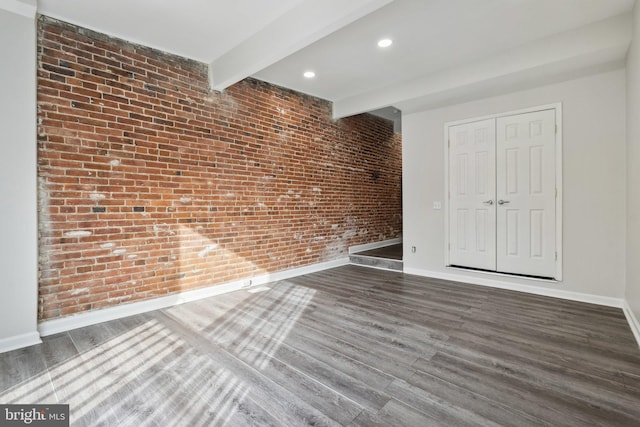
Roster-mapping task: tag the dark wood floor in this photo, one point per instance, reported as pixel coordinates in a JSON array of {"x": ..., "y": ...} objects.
[
  {"x": 387, "y": 252},
  {"x": 348, "y": 346}
]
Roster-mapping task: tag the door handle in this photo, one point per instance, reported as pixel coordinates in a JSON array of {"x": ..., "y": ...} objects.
[
  {"x": 488, "y": 202},
  {"x": 503, "y": 202}
]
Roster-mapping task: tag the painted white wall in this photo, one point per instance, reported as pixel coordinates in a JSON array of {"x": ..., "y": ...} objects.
[
  {"x": 633, "y": 169},
  {"x": 594, "y": 178},
  {"x": 18, "y": 188}
]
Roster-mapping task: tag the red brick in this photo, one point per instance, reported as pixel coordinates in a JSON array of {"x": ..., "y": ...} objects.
[{"x": 263, "y": 172}]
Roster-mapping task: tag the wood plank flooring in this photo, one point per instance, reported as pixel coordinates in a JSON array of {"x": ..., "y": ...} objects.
[{"x": 349, "y": 346}]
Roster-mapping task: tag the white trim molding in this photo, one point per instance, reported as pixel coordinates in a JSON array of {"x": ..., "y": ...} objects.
[
  {"x": 634, "y": 323},
  {"x": 530, "y": 289},
  {"x": 374, "y": 245},
  {"x": 19, "y": 341},
  {"x": 54, "y": 326},
  {"x": 26, "y": 8}
]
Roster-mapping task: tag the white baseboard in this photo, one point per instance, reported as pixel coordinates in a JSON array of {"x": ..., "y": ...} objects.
[
  {"x": 374, "y": 245},
  {"x": 64, "y": 324},
  {"x": 634, "y": 324},
  {"x": 50, "y": 327},
  {"x": 295, "y": 272},
  {"x": 531, "y": 289},
  {"x": 19, "y": 341}
]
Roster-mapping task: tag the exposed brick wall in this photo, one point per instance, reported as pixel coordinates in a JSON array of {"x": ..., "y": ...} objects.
[{"x": 152, "y": 184}]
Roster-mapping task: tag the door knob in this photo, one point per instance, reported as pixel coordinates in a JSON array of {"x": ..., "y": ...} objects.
[
  {"x": 503, "y": 202},
  {"x": 488, "y": 202}
]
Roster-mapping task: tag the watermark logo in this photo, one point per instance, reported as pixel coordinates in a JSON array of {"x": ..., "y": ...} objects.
[{"x": 34, "y": 415}]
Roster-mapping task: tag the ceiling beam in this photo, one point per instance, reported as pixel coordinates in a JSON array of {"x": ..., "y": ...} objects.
[
  {"x": 304, "y": 24},
  {"x": 20, "y": 7},
  {"x": 597, "y": 46}
]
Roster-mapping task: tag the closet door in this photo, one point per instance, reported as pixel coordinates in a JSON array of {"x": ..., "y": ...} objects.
[
  {"x": 526, "y": 194},
  {"x": 472, "y": 186}
]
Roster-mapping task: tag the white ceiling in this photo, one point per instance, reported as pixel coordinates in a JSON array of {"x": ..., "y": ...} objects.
[
  {"x": 443, "y": 50},
  {"x": 197, "y": 29},
  {"x": 429, "y": 36}
]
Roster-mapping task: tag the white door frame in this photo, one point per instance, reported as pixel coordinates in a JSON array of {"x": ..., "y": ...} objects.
[{"x": 558, "y": 156}]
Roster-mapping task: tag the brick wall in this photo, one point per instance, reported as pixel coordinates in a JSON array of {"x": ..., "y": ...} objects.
[{"x": 152, "y": 184}]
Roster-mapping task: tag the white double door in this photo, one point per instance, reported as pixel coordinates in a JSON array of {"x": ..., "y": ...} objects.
[{"x": 502, "y": 194}]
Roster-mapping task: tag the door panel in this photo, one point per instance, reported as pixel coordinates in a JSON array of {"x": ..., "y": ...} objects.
[
  {"x": 511, "y": 171},
  {"x": 537, "y": 233},
  {"x": 472, "y": 226},
  {"x": 526, "y": 188},
  {"x": 511, "y": 232}
]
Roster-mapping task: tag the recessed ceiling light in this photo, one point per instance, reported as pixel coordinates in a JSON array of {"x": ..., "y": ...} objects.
[
  {"x": 385, "y": 43},
  {"x": 309, "y": 74}
]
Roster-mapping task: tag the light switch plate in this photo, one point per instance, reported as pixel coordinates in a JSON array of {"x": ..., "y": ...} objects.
[{"x": 437, "y": 206}]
